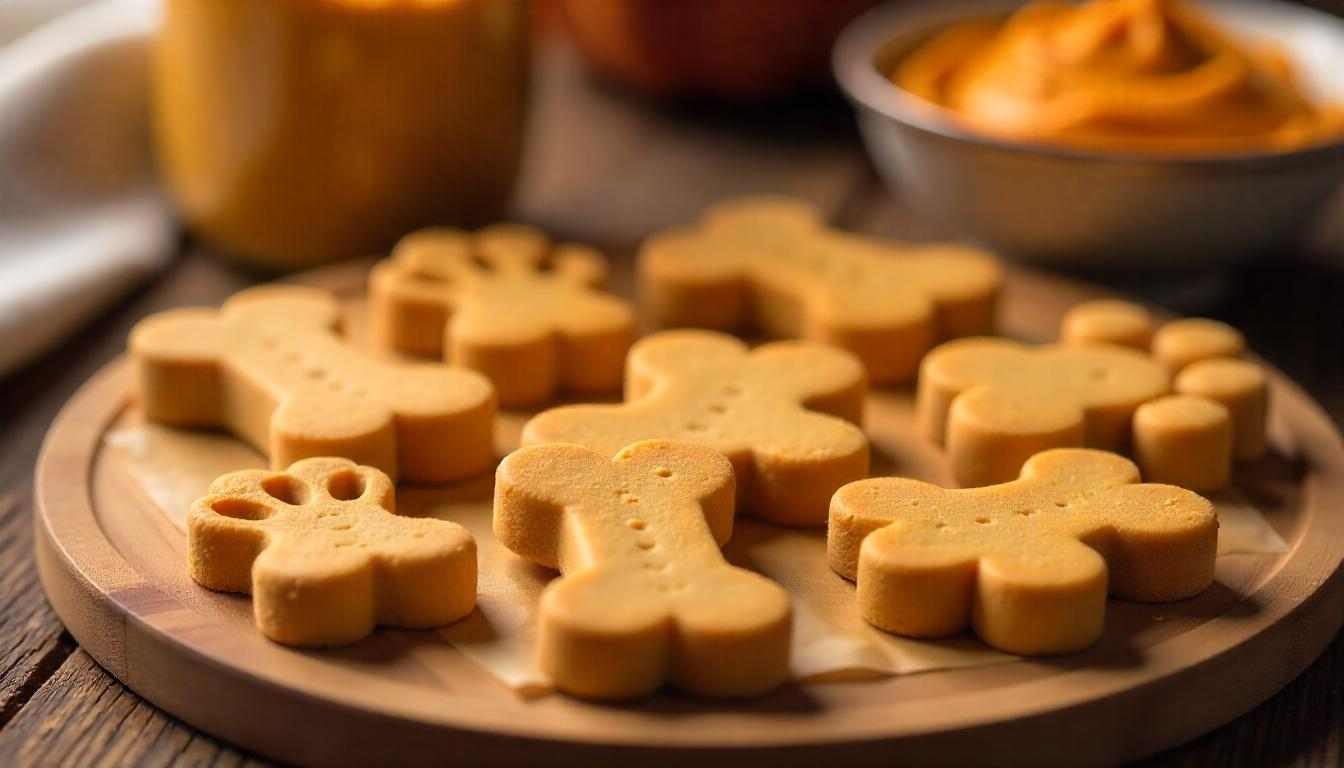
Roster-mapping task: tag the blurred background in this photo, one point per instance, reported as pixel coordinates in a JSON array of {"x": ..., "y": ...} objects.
[{"x": 279, "y": 135}]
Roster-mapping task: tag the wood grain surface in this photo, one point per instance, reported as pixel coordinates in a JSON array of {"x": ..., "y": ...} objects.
[{"x": 607, "y": 169}]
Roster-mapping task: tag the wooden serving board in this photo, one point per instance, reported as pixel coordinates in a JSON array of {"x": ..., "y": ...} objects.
[{"x": 113, "y": 567}]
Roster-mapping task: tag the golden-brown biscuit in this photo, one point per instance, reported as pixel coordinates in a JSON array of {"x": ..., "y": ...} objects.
[
  {"x": 1026, "y": 564},
  {"x": 503, "y": 302},
  {"x": 1184, "y": 440},
  {"x": 1108, "y": 321},
  {"x": 1202, "y": 351},
  {"x": 645, "y": 598},
  {"x": 769, "y": 263},
  {"x": 270, "y": 367},
  {"x": 784, "y": 414},
  {"x": 323, "y": 555},
  {"x": 1182, "y": 342},
  {"x": 1241, "y": 387},
  {"x": 993, "y": 403}
]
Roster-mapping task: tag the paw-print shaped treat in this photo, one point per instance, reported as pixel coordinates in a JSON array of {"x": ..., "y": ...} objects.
[
  {"x": 993, "y": 403},
  {"x": 1176, "y": 344},
  {"x": 270, "y": 367},
  {"x": 323, "y": 555},
  {"x": 645, "y": 597},
  {"x": 503, "y": 302},
  {"x": 1026, "y": 564},
  {"x": 770, "y": 264},
  {"x": 1204, "y": 357},
  {"x": 1108, "y": 321},
  {"x": 1182, "y": 343},
  {"x": 785, "y": 414},
  {"x": 1242, "y": 388},
  {"x": 1184, "y": 440}
]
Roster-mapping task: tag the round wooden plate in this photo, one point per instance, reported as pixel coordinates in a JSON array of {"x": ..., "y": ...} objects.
[{"x": 113, "y": 567}]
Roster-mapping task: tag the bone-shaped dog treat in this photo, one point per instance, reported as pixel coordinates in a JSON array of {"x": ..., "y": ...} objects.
[
  {"x": 752, "y": 406},
  {"x": 994, "y": 403},
  {"x": 1026, "y": 564},
  {"x": 769, "y": 263},
  {"x": 645, "y": 598},
  {"x": 270, "y": 367},
  {"x": 323, "y": 556},
  {"x": 503, "y": 302}
]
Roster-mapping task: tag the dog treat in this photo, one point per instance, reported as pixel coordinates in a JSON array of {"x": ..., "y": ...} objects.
[
  {"x": 645, "y": 598},
  {"x": 503, "y": 302},
  {"x": 770, "y": 264},
  {"x": 1026, "y": 564},
  {"x": 1108, "y": 321},
  {"x": 1184, "y": 440},
  {"x": 1202, "y": 351},
  {"x": 1241, "y": 387},
  {"x": 270, "y": 367},
  {"x": 784, "y": 414},
  {"x": 993, "y": 403},
  {"x": 323, "y": 555},
  {"x": 1182, "y": 342},
  {"x": 1175, "y": 345}
]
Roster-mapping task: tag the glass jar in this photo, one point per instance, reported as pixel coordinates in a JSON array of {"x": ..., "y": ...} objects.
[{"x": 294, "y": 132}]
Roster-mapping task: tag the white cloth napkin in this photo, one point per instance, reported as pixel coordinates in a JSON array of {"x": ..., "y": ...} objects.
[{"x": 82, "y": 218}]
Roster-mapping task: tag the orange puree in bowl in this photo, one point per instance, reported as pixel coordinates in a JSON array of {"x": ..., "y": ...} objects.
[
  {"x": 1149, "y": 76},
  {"x": 291, "y": 132}
]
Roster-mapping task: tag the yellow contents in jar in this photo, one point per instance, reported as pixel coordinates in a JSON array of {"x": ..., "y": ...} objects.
[
  {"x": 1151, "y": 76},
  {"x": 291, "y": 132}
]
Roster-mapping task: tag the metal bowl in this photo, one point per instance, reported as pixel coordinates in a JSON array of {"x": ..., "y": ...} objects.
[{"x": 1092, "y": 209}]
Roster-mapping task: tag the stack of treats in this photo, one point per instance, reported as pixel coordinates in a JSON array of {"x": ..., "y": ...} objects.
[{"x": 631, "y": 502}]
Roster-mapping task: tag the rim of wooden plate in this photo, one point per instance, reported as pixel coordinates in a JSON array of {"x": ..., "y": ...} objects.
[{"x": 151, "y": 642}]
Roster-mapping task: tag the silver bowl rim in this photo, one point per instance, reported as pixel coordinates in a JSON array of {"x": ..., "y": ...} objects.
[{"x": 853, "y": 67}]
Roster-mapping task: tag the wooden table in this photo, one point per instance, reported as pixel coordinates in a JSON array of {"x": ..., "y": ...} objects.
[{"x": 604, "y": 168}]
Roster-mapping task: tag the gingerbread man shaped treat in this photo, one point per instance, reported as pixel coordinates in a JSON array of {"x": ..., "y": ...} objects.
[
  {"x": 785, "y": 414},
  {"x": 993, "y": 403},
  {"x": 770, "y": 264},
  {"x": 1026, "y": 564},
  {"x": 645, "y": 597},
  {"x": 270, "y": 367},
  {"x": 323, "y": 556},
  {"x": 503, "y": 302}
]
